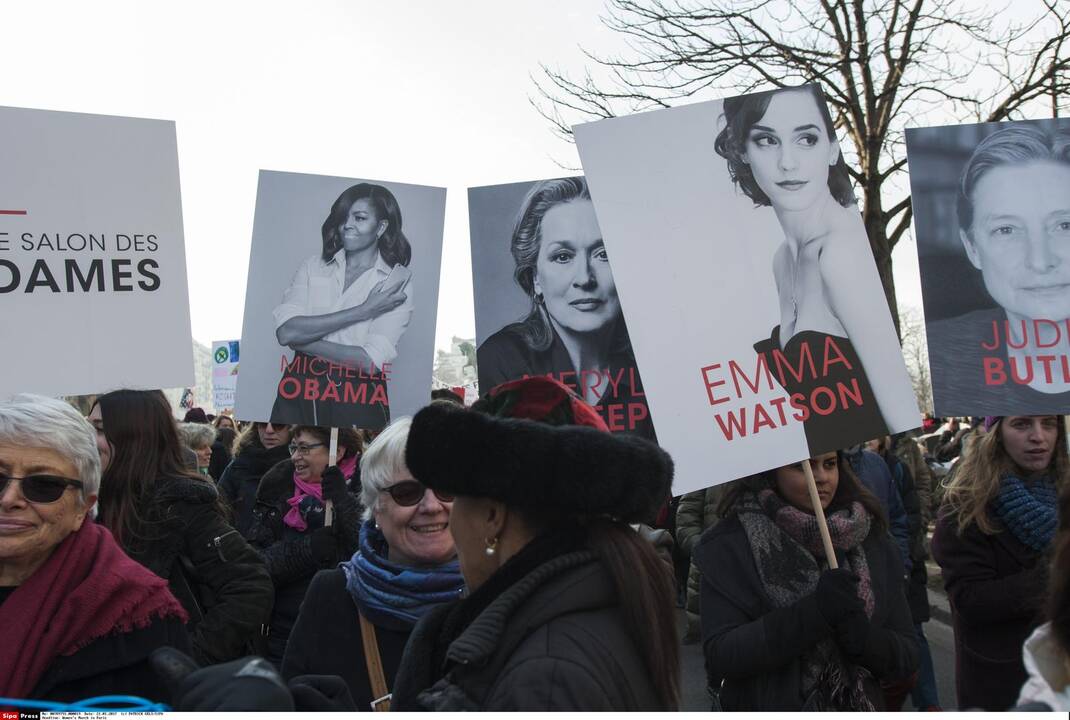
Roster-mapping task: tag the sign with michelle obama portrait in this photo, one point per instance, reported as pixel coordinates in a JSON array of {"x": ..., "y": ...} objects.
[
  {"x": 753, "y": 302},
  {"x": 545, "y": 299},
  {"x": 992, "y": 218},
  {"x": 341, "y": 302},
  {"x": 92, "y": 262}
]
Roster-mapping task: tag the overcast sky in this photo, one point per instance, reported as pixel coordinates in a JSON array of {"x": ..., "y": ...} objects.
[{"x": 432, "y": 92}]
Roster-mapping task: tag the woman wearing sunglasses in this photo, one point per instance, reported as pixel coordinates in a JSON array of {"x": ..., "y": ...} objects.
[
  {"x": 289, "y": 520},
  {"x": 405, "y": 566},
  {"x": 79, "y": 617},
  {"x": 261, "y": 446}
]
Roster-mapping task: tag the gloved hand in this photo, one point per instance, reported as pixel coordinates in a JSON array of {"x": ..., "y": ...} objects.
[
  {"x": 333, "y": 484},
  {"x": 837, "y": 595},
  {"x": 852, "y": 635},
  {"x": 248, "y": 684},
  {"x": 321, "y": 693},
  {"x": 324, "y": 543}
]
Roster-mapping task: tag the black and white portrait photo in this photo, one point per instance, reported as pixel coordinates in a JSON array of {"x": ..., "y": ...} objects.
[
  {"x": 992, "y": 212},
  {"x": 341, "y": 321},
  {"x": 754, "y": 306},
  {"x": 546, "y": 301},
  {"x": 782, "y": 153}
]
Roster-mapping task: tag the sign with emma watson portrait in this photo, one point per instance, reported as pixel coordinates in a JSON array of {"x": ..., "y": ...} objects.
[
  {"x": 992, "y": 216},
  {"x": 341, "y": 302},
  {"x": 755, "y": 308}
]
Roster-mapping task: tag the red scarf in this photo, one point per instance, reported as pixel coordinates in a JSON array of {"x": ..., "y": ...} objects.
[{"x": 87, "y": 589}]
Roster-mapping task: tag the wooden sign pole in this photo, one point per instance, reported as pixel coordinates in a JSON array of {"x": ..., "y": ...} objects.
[
  {"x": 328, "y": 506},
  {"x": 819, "y": 513}
]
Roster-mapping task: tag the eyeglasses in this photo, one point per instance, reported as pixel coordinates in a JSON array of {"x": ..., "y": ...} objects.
[
  {"x": 304, "y": 448},
  {"x": 409, "y": 492},
  {"x": 41, "y": 489}
]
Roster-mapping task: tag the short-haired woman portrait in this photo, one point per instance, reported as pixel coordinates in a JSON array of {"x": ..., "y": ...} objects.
[
  {"x": 573, "y": 328},
  {"x": 1011, "y": 201},
  {"x": 782, "y": 153},
  {"x": 345, "y": 312}
]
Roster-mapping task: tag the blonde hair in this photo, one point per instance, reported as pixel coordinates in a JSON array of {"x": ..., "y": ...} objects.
[{"x": 976, "y": 480}]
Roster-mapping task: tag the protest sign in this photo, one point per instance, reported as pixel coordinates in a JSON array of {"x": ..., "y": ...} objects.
[
  {"x": 225, "y": 355},
  {"x": 545, "y": 299},
  {"x": 341, "y": 302},
  {"x": 753, "y": 302},
  {"x": 992, "y": 221},
  {"x": 92, "y": 262}
]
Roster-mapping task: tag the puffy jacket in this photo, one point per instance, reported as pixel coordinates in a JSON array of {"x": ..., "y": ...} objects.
[
  {"x": 220, "y": 581},
  {"x": 696, "y": 512},
  {"x": 289, "y": 554},
  {"x": 554, "y": 640},
  {"x": 240, "y": 480},
  {"x": 755, "y": 648}
]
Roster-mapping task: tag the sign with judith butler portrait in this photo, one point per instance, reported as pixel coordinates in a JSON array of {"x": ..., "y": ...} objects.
[
  {"x": 92, "y": 263},
  {"x": 545, "y": 299},
  {"x": 753, "y": 301},
  {"x": 992, "y": 218},
  {"x": 341, "y": 302}
]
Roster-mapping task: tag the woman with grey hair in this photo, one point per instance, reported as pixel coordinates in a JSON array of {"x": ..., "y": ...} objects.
[
  {"x": 405, "y": 565},
  {"x": 80, "y": 618},
  {"x": 199, "y": 438}
]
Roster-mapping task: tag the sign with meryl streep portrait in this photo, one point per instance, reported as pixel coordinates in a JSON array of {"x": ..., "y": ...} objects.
[
  {"x": 341, "y": 302},
  {"x": 545, "y": 299},
  {"x": 92, "y": 259},
  {"x": 756, "y": 311},
  {"x": 992, "y": 219}
]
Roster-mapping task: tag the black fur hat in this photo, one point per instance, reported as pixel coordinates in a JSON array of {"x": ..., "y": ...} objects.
[{"x": 562, "y": 470}]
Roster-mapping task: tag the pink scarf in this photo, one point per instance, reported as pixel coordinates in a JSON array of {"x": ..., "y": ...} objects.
[{"x": 303, "y": 489}]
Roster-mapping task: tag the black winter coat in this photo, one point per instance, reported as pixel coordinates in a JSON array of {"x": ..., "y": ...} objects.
[
  {"x": 114, "y": 665},
  {"x": 242, "y": 477},
  {"x": 289, "y": 554},
  {"x": 996, "y": 587},
  {"x": 917, "y": 588},
  {"x": 327, "y": 639},
  {"x": 755, "y": 648},
  {"x": 220, "y": 581},
  {"x": 554, "y": 640}
]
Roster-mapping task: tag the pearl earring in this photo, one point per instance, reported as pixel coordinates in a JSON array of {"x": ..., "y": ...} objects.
[{"x": 492, "y": 547}]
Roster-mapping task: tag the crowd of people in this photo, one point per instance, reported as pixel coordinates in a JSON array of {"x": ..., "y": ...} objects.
[{"x": 513, "y": 556}]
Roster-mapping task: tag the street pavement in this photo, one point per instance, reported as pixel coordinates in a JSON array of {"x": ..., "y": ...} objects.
[{"x": 941, "y": 645}]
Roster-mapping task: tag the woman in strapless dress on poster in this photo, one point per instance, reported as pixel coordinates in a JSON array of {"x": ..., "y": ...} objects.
[{"x": 782, "y": 153}]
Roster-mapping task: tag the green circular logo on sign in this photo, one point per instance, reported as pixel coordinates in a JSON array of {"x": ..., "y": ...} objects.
[{"x": 222, "y": 355}]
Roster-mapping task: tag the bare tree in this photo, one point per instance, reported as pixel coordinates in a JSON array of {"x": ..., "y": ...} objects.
[
  {"x": 916, "y": 356},
  {"x": 883, "y": 64}
]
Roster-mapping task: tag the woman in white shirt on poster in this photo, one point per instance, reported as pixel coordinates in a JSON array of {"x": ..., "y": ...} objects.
[{"x": 344, "y": 313}]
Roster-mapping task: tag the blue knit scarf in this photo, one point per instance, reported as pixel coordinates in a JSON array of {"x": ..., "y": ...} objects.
[
  {"x": 396, "y": 596},
  {"x": 1028, "y": 511}
]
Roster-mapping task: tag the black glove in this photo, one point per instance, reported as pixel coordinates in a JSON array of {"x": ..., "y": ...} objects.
[
  {"x": 333, "y": 484},
  {"x": 249, "y": 684},
  {"x": 321, "y": 693},
  {"x": 852, "y": 635},
  {"x": 324, "y": 544},
  {"x": 837, "y": 595}
]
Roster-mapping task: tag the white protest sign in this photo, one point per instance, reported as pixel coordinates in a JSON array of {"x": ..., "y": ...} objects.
[
  {"x": 92, "y": 264},
  {"x": 225, "y": 355},
  {"x": 753, "y": 302},
  {"x": 341, "y": 302},
  {"x": 545, "y": 298},
  {"x": 991, "y": 208}
]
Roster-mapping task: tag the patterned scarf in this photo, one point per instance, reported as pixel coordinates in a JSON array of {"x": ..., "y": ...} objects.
[
  {"x": 788, "y": 552},
  {"x": 396, "y": 596},
  {"x": 1029, "y": 511},
  {"x": 306, "y": 505}
]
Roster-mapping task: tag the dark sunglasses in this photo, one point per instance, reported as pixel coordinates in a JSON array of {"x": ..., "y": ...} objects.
[
  {"x": 41, "y": 489},
  {"x": 409, "y": 492}
]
